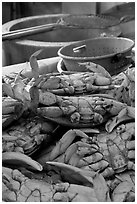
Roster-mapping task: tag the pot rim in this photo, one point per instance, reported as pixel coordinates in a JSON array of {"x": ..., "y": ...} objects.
[
  {"x": 94, "y": 58},
  {"x": 7, "y": 27}
]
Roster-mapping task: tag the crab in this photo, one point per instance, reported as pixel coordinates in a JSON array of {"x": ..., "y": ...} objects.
[
  {"x": 27, "y": 135},
  {"x": 24, "y": 186},
  {"x": 122, "y": 187},
  {"x": 124, "y": 90},
  {"x": 108, "y": 153},
  {"x": 87, "y": 110},
  {"x": 77, "y": 111},
  {"x": 68, "y": 83},
  {"x": 71, "y": 83},
  {"x": 10, "y": 111}
]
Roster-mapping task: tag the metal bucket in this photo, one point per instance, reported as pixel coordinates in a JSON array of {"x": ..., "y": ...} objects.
[
  {"x": 111, "y": 52},
  {"x": 18, "y": 51}
]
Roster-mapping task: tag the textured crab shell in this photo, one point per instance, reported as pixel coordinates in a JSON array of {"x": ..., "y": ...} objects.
[
  {"x": 125, "y": 91},
  {"x": 117, "y": 147},
  {"x": 27, "y": 135},
  {"x": 123, "y": 187},
  {"x": 19, "y": 188},
  {"x": 108, "y": 153},
  {"x": 72, "y": 83},
  {"x": 93, "y": 109},
  {"x": 10, "y": 111}
]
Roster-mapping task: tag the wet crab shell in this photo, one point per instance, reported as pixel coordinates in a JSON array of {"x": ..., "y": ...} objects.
[
  {"x": 27, "y": 135},
  {"x": 77, "y": 111},
  {"x": 10, "y": 111},
  {"x": 117, "y": 149},
  {"x": 73, "y": 83},
  {"x": 17, "y": 187},
  {"x": 123, "y": 187},
  {"x": 108, "y": 153}
]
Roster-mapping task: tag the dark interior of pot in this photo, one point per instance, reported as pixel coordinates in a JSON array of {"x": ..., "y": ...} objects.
[{"x": 70, "y": 34}]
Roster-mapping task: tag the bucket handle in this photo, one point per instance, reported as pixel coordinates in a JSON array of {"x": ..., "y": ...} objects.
[{"x": 79, "y": 49}]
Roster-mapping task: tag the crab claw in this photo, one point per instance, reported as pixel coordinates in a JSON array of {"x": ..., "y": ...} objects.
[
  {"x": 62, "y": 146},
  {"x": 18, "y": 90},
  {"x": 95, "y": 68},
  {"x": 73, "y": 174},
  {"x": 101, "y": 188},
  {"x": 126, "y": 114},
  {"x": 34, "y": 64},
  {"x": 20, "y": 159}
]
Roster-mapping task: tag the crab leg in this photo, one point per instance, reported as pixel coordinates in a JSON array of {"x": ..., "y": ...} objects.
[
  {"x": 125, "y": 114},
  {"x": 62, "y": 146},
  {"x": 95, "y": 68}
]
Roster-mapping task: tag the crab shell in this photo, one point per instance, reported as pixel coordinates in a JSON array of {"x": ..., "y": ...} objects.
[
  {"x": 117, "y": 150},
  {"x": 27, "y": 135},
  {"x": 108, "y": 153},
  {"x": 20, "y": 188},
  {"x": 125, "y": 91},
  {"x": 77, "y": 110},
  {"x": 10, "y": 111},
  {"x": 73, "y": 83},
  {"x": 123, "y": 187}
]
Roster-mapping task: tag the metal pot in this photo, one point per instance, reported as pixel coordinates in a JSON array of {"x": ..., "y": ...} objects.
[
  {"x": 112, "y": 53},
  {"x": 87, "y": 26}
]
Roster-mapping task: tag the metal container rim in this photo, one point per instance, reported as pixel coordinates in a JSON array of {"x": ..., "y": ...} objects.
[{"x": 98, "y": 57}]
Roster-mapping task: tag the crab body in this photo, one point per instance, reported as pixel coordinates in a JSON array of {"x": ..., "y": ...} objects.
[
  {"x": 74, "y": 83},
  {"x": 17, "y": 187},
  {"x": 27, "y": 135},
  {"x": 125, "y": 87},
  {"x": 117, "y": 148},
  {"x": 10, "y": 111},
  {"x": 123, "y": 187},
  {"x": 87, "y": 110},
  {"x": 108, "y": 153}
]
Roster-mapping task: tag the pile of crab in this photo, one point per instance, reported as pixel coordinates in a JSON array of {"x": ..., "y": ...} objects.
[{"x": 68, "y": 136}]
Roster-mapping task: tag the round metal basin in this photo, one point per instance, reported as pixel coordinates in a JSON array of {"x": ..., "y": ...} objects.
[
  {"x": 91, "y": 26},
  {"x": 112, "y": 53}
]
